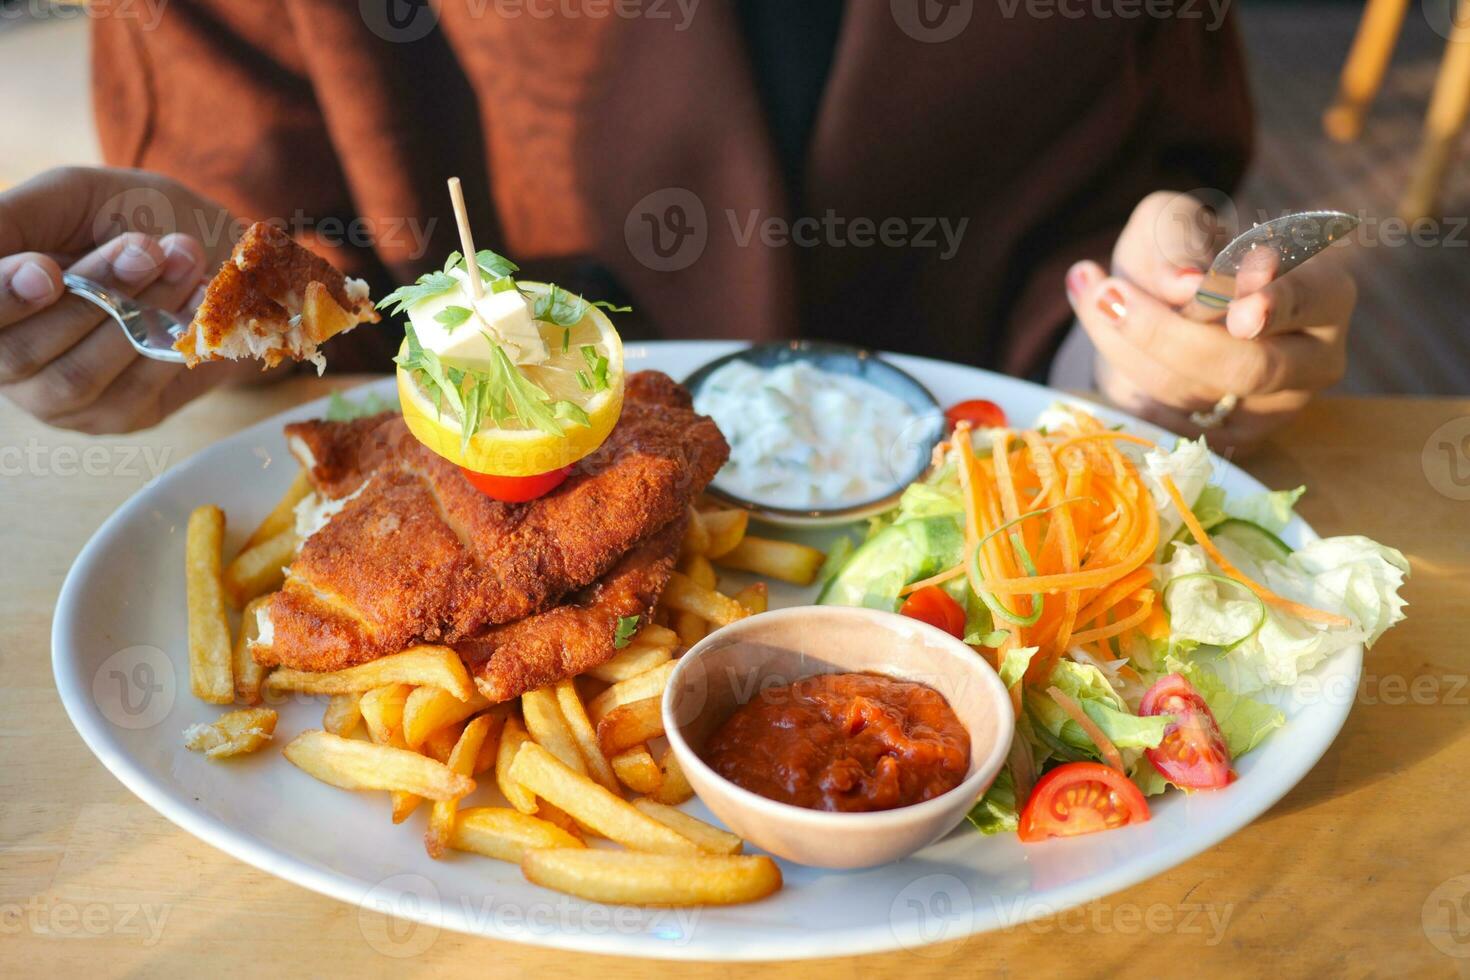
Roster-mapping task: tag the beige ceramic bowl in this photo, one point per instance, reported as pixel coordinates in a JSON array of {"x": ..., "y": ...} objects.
[{"x": 730, "y": 666}]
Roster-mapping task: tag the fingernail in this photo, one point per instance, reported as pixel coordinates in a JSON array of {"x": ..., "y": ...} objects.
[
  {"x": 32, "y": 283},
  {"x": 1076, "y": 279},
  {"x": 1111, "y": 303},
  {"x": 1189, "y": 270},
  {"x": 134, "y": 264},
  {"x": 178, "y": 262}
]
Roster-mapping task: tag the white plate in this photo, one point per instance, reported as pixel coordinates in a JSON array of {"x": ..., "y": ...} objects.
[{"x": 119, "y": 655}]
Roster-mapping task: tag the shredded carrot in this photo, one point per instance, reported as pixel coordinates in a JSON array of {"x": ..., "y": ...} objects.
[
  {"x": 1115, "y": 594},
  {"x": 1111, "y": 434},
  {"x": 1264, "y": 594},
  {"x": 1146, "y": 602},
  {"x": 1074, "y": 711}
]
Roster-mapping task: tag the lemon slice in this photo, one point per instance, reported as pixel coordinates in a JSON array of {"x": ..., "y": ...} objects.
[{"x": 513, "y": 448}]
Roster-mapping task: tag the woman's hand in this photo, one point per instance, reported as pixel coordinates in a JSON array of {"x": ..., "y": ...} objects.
[
  {"x": 62, "y": 359},
  {"x": 1277, "y": 348}
]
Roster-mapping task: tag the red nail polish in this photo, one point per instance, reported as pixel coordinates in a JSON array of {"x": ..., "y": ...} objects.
[
  {"x": 1190, "y": 270},
  {"x": 1111, "y": 303}
]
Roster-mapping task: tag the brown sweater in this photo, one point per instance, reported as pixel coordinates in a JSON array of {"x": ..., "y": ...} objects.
[{"x": 948, "y": 182}]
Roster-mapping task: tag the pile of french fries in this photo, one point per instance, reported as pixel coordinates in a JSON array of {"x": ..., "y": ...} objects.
[{"x": 579, "y": 761}]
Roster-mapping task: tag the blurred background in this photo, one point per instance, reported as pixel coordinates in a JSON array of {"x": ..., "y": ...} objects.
[{"x": 1411, "y": 334}]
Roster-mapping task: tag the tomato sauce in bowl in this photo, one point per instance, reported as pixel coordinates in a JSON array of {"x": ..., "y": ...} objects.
[{"x": 850, "y": 742}]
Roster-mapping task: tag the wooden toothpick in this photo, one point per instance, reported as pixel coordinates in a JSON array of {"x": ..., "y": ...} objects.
[{"x": 466, "y": 240}]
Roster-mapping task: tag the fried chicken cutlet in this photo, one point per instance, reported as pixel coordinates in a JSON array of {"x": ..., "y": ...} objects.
[
  {"x": 273, "y": 300},
  {"x": 507, "y": 661},
  {"x": 416, "y": 553}
]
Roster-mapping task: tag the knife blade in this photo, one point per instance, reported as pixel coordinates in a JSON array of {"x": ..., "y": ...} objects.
[{"x": 1262, "y": 254}]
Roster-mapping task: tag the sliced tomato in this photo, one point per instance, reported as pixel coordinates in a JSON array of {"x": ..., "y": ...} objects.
[
  {"x": 516, "y": 489},
  {"x": 1081, "y": 798},
  {"x": 1193, "y": 753},
  {"x": 980, "y": 413},
  {"x": 934, "y": 606}
]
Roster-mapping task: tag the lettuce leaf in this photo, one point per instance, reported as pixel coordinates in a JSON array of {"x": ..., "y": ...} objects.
[
  {"x": 1189, "y": 466},
  {"x": 1089, "y": 687},
  {"x": 1271, "y": 510},
  {"x": 997, "y": 813}
]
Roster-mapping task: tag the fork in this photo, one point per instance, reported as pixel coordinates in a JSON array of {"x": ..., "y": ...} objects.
[{"x": 151, "y": 331}]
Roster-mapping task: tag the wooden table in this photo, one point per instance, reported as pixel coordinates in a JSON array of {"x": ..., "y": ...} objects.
[{"x": 1364, "y": 869}]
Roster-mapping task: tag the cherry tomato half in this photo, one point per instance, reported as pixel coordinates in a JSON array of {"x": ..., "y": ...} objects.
[
  {"x": 1081, "y": 798},
  {"x": 933, "y": 605},
  {"x": 980, "y": 413},
  {"x": 516, "y": 489},
  {"x": 1193, "y": 753}
]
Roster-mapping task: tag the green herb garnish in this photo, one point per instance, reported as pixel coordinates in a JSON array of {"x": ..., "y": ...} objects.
[
  {"x": 428, "y": 286},
  {"x": 425, "y": 368},
  {"x": 597, "y": 365},
  {"x": 453, "y": 316},
  {"x": 627, "y": 628}
]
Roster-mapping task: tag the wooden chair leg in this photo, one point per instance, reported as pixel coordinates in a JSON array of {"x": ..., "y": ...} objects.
[
  {"x": 1448, "y": 109},
  {"x": 1362, "y": 73}
]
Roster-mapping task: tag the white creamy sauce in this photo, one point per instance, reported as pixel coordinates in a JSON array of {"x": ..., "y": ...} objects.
[{"x": 804, "y": 438}]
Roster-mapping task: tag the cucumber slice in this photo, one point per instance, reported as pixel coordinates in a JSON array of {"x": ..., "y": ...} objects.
[{"x": 1252, "y": 538}]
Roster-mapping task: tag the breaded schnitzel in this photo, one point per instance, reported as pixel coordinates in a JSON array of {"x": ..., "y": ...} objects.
[
  {"x": 273, "y": 300},
  {"x": 509, "y": 660},
  {"x": 418, "y": 554}
]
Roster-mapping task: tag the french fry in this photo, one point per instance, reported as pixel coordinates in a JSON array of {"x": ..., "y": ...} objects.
[
  {"x": 593, "y": 806},
  {"x": 553, "y": 814},
  {"x": 283, "y": 515},
  {"x": 784, "y": 560},
  {"x": 646, "y": 685},
  {"x": 232, "y": 733},
  {"x": 699, "y": 569},
  {"x": 637, "y": 770},
  {"x": 382, "y": 710},
  {"x": 708, "y": 837},
  {"x": 506, "y": 834},
  {"x": 343, "y": 714},
  {"x": 755, "y": 597},
  {"x": 548, "y": 726},
  {"x": 490, "y": 748},
  {"x": 631, "y": 661},
  {"x": 426, "y": 665},
  {"x": 581, "y": 728},
  {"x": 725, "y": 528},
  {"x": 462, "y": 760},
  {"x": 691, "y": 628},
  {"x": 440, "y": 744},
  {"x": 696, "y": 536},
  {"x": 259, "y": 569},
  {"x": 674, "y": 788},
  {"x": 512, "y": 736},
  {"x": 431, "y": 708},
  {"x": 623, "y": 878},
  {"x": 653, "y": 635},
  {"x": 353, "y": 764},
  {"x": 630, "y": 724},
  {"x": 683, "y": 594},
  {"x": 248, "y": 674},
  {"x": 211, "y": 676}
]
